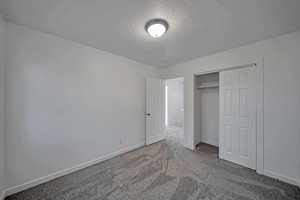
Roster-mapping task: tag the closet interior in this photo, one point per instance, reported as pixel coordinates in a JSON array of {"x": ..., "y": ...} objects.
[{"x": 206, "y": 99}]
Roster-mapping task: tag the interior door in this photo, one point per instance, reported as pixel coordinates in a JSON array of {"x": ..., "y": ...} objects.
[
  {"x": 155, "y": 111},
  {"x": 238, "y": 116}
]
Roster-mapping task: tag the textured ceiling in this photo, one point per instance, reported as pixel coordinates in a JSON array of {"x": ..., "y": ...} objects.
[{"x": 197, "y": 27}]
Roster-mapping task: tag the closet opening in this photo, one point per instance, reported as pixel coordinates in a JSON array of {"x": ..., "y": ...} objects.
[
  {"x": 225, "y": 114},
  {"x": 206, "y": 105},
  {"x": 174, "y": 116}
]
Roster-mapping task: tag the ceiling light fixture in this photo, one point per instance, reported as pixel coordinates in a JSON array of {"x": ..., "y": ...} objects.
[{"x": 156, "y": 27}]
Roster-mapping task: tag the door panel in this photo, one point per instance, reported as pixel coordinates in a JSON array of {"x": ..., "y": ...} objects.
[
  {"x": 228, "y": 102},
  {"x": 228, "y": 135},
  {"x": 238, "y": 111},
  {"x": 243, "y": 142},
  {"x": 226, "y": 111},
  {"x": 155, "y": 108},
  {"x": 243, "y": 93}
]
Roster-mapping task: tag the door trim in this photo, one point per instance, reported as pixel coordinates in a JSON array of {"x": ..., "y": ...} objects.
[{"x": 259, "y": 63}]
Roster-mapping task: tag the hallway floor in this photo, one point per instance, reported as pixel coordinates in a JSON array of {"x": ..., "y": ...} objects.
[
  {"x": 175, "y": 132},
  {"x": 162, "y": 171}
]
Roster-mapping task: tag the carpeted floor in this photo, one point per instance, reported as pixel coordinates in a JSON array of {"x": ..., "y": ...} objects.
[{"x": 164, "y": 170}]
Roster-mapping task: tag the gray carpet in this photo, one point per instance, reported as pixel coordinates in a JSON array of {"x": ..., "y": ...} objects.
[{"x": 161, "y": 171}]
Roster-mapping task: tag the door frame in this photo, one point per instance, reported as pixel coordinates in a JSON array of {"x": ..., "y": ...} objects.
[
  {"x": 259, "y": 64},
  {"x": 177, "y": 77}
]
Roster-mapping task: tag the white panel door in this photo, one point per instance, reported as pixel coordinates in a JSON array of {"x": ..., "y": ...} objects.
[
  {"x": 238, "y": 116},
  {"x": 155, "y": 114}
]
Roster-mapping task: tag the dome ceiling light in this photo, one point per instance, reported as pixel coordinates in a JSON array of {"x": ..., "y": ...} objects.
[{"x": 156, "y": 27}]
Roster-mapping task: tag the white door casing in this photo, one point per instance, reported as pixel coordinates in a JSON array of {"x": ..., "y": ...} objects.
[
  {"x": 238, "y": 116},
  {"x": 155, "y": 110}
]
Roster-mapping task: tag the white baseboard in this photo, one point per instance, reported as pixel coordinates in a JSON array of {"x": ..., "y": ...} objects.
[
  {"x": 155, "y": 139},
  {"x": 210, "y": 141},
  {"x": 58, "y": 174},
  {"x": 189, "y": 146},
  {"x": 281, "y": 177}
]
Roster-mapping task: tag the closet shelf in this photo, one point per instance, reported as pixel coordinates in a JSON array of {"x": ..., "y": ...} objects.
[{"x": 213, "y": 84}]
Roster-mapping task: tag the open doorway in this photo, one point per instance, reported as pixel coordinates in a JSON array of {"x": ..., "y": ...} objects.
[{"x": 174, "y": 116}]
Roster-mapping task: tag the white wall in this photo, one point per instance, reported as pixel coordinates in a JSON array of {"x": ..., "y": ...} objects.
[
  {"x": 281, "y": 98},
  {"x": 2, "y": 138},
  {"x": 175, "y": 102},
  {"x": 67, "y": 104}
]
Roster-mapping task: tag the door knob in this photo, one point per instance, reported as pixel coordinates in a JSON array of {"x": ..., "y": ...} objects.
[{"x": 148, "y": 114}]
